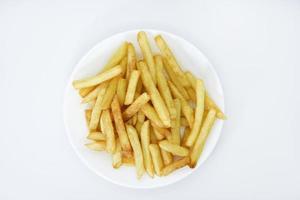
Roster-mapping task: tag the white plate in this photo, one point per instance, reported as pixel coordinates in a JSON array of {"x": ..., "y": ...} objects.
[{"x": 189, "y": 57}]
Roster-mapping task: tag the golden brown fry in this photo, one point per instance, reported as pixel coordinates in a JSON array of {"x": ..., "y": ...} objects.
[
  {"x": 140, "y": 116},
  {"x": 156, "y": 99},
  {"x": 157, "y": 159},
  {"x": 128, "y": 161},
  {"x": 110, "y": 93},
  {"x": 108, "y": 130},
  {"x": 145, "y": 140},
  {"x": 163, "y": 86},
  {"x": 167, "y": 53},
  {"x": 147, "y": 53},
  {"x": 124, "y": 66},
  {"x": 133, "y": 80},
  {"x": 200, "y": 93},
  {"x": 166, "y": 156},
  {"x": 98, "y": 136},
  {"x": 131, "y": 60},
  {"x": 175, "y": 165},
  {"x": 135, "y": 106},
  {"x": 183, "y": 122},
  {"x": 153, "y": 138},
  {"x": 92, "y": 95},
  {"x": 200, "y": 142},
  {"x": 119, "y": 124},
  {"x": 151, "y": 114},
  {"x": 186, "y": 108},
  {"x": 88, "y": 114},
  {"x": 186, "y": 134},
  {"x": 121, "y": 90},
  {"x": 85, "y": 91},
  {"x": 96, "y": 146},
  {"x": 95, "y": 80},
  {"x": 175, "y": 124},
  {"x": 117, "y": 156},
  {"x": 96, "y": 112},
  {"x": 173, "y": 148},
  {"x": 192, "y": 94},
  {"x": 163, "y": 131},
  {"x": 137, "y": 150},
  {"x": 139, "y": 89}
]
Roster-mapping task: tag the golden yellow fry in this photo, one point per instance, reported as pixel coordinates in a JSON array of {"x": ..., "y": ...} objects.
[
  {"x": 98, "y": 136},
  {"x": 173, "y": 148},
  {"x": 110, "y": 93},
  {"x": 121, "y": 90},
  {"x": 192, "y": 94},
  {"x": 151, "y": 114},
  {"x": 95, "y": 80},
  {"x": 135, "y": 106},
  {"x": 145, "y": 140},
  {"x": 137, "y": 150},
  {"x": 183, "y": 122},
  {"x": 92, "y": 95},
  {"x": 175, "y": 124},
  {"x": 208, "y": 101},
  {"x": 157, "y": 101},
  {"x": 167, "y": 53},
  {"x": 200, "y": 93},
  {"x": 140, "y": 116},
  {"x": 133, "y": 80},
  {"x": 156, "y": 158},
  {"x": 108, "y": 130},
  {"x": 124, "y": 66},
  {"x": 186, "y": 134},
  {"x": 117, "y": 156},
  {"x": 153, "y": 138},
  {"x": 186, "y": 108},
  {"x": 119, "y": 124},
  {"x": 96, "y": 112},
  {"x": 96, "y": 146},
  {"x": 175, "y": 165},
  {"x": 200, "y": 142},
  {"x": 163, "y": 131},
  {"x": 175, "y": 79},
  {"x": 147, "y": 53},
  {"x": 166, "y": 156},
  {"x": 163, "y": 86},
  {"x": 128, "y": 161},
  {"x": 85, "y": 91},
  {"x": 131, "y": 60},
  {"x": 158, "y": 135},
  {"x": 88, "y": 114}
]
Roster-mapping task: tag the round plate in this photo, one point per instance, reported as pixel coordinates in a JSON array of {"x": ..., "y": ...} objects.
[{"x": 189, "y": 57}]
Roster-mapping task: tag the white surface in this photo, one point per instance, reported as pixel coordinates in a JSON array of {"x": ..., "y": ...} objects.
[
  {"x": 100, "y": 163},
  {"x": 254, "y": 46}
]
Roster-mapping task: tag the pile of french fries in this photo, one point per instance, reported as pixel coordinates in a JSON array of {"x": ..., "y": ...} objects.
[{"x": 138, "y": 108}]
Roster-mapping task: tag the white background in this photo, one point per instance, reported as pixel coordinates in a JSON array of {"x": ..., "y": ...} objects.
[{"x": 254, "y": 46}]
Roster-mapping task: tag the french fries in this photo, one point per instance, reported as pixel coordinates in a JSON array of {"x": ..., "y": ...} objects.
[
  {"x": 200, "y": 142},
  {"x": 147, "y": 53},
  {"x": 137, "y": 150},
  {"x": 173, "y": 148},
  {"x": 136, "y": 109},
  {"x": 156, "y": 99},
  {"x": 200, "y": 93},
  {"x": 145, "y": 140},
  {"x": 133, "y": 80}
]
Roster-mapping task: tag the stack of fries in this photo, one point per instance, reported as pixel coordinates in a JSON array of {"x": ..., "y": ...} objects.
[{"x": 139, "y": 107}]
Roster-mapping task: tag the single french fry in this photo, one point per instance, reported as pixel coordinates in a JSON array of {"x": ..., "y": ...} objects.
[
  {"x": 98, "y": 136},
  {"x": 183, "y": 122},
  {"x": 124, "y": 67},
  {"x": 166, "y": 156},
  {"x": 200, "y": 142},
  {"x": 147, "y": 53},
  {"x": 96, "y": 146},
  {"x": 135, "y": 106},
  {"x": 156, "y": 158},
  {"x": 131, "y": 60},
  {"x": 137, "y": 150},
  {"x": 85, "y": 91},
  {"x": 88, "y": 114},
  {"x": 175, "y": 124},
  {"x": 92, "y": 95},
  {"x": 192, "y": 94},
  {"x": 173, "y": 148},
  {"x": 167, "y": 53},
  {"x": 163, "y": 86},
  {"x": 95, "y": 80},
  {"x": 156, "y": 99},
  {"x": 200, "y": 93},
  {"x": 110, "y": 93},
  {"x": 133, "y": 80},
  {"x": 140, "y": 116},
  {"x": 186, "y": 134},
  {"x": 175, "y": 165},
  {"x": 151, "y": 114},
  {"x": 186, "y": 108},
  {"x": 145, "y": 140},
  {"x": 128, "y": 161},
  {"x": 117, "y": 156},
  {"x": 153, "y": 138},
  {"x": 175, "y": 79},
  {"x": 108, "y": 130},
  {"x": 121, "y": 90},
  {"x": 119, "y": 124},
  {"x": 96, "y": 112}
]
